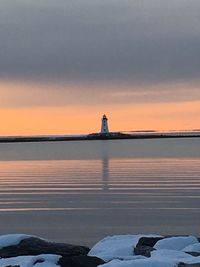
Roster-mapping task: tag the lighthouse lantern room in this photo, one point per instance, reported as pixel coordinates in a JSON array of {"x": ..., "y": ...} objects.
[{"x": 104, "y": 125}]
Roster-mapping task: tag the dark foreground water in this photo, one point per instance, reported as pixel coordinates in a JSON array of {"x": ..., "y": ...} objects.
[{"x": 79, "y": 192}]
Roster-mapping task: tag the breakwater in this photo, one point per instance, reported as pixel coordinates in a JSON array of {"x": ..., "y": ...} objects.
[{"x": 97, "y": 136}]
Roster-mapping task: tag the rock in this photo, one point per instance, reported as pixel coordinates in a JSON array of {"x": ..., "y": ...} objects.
[
  {"x": 143, "y": 250},
  {"x": 148, "y": 241},
  {"x": 182, "y": 264},
  {"x": 80, "y": 261},
  {"x": 145, "y": 245},
  {"x": 36, "y": 246}
]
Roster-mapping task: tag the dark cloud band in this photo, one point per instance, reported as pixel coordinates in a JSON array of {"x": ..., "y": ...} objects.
[{"x": 133, "y": 41}]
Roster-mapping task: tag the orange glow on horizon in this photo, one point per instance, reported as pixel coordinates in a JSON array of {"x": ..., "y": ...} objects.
[
  {"x": 84, "y": 118},
  {"x": 41, "y": 121}
]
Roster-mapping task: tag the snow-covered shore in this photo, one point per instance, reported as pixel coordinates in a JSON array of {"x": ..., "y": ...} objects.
[
  {"x": 113, "y": 251},
  {"x": 146, "y": 251}
]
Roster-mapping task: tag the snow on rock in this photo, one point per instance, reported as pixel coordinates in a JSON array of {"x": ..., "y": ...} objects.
[
  {"x": 166, "y": 254},
  {"x": 117, "y": 247},
  {"x": 192, "y": 248},
  {"x": 115, "y": 251},
  {"x": 176, "y": 243},
  {"x": 138, "y": 263},
  {"x": 192, "y": 260},
  {"x": 12, "y": 239},
  {"x": 32, "y": 245},
  {"x": 118, "y": 251},
  {"x": 173, "y": 257},
  {"x": 159, "y": 258},
  {"x": 29, "y": 261}
]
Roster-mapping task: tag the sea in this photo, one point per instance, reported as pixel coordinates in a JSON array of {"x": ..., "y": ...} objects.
[{"x": 82, "y": 191}]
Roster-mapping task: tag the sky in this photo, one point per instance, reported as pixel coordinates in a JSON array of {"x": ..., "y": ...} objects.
[{"x": 63, "y": 64}]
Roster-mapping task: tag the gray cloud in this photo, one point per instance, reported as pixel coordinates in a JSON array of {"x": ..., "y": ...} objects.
[
  {"x": 134, "y": 41},
  {"x": 56, "y": 95}
]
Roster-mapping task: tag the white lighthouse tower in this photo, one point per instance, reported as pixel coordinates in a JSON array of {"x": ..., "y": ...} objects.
[{"x": 104, "y": 125}]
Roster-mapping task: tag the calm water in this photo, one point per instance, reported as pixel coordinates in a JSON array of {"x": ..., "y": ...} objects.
[{"x": 79, "y": 192}]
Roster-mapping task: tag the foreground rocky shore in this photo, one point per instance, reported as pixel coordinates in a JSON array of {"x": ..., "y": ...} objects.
[{"x": 115, "y": 251}]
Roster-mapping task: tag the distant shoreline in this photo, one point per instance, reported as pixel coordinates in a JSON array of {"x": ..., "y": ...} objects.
[{"x": 96, "y": 136}]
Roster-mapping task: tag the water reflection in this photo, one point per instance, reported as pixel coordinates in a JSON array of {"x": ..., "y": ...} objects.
[
  {"x": 105, "y": 166},
  {"x": 66, "y": 184},
  {"x": 159, "y": 148}
]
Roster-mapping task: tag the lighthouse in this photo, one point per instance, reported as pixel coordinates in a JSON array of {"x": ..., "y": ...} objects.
[{"x": 104, "y": 125}]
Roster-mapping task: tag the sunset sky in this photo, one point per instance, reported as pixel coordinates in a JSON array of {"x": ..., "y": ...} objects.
[{"x": 65, "y": 63}]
